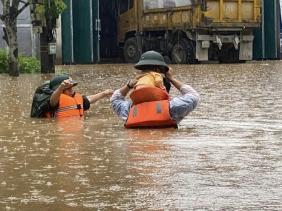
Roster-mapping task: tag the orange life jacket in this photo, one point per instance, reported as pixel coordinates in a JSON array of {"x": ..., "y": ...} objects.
[
  {"x": 70, "y": 106},
  {"x": 150, "y": 114}
]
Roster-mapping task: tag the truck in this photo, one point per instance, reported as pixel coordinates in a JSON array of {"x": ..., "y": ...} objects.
[{"x": 188, "y": 31}]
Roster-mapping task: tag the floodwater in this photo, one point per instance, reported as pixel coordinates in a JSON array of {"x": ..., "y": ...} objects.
[{"x": 226, "y": 155}]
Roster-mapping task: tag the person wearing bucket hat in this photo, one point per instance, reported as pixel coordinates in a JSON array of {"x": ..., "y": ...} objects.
[
  {"x": 57, "y": 80},
  {"x": 152, "y": 59},
  {"x": 168, "y": 112},
  {"x": 65, "y": 102},
  {"x": 152, "y": 68}
]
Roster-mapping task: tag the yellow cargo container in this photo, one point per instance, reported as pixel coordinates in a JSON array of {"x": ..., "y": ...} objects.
[{"x": 187, "y": 31}]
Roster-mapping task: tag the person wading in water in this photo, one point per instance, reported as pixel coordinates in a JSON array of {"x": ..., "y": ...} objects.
[{"x": 161, "y": 112}]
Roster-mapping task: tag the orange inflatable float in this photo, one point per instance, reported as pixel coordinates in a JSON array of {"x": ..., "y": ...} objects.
[{"x": 148, "y": 94}]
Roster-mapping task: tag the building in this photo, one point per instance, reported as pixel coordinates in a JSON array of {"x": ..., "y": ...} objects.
[
  {"x": 27, "y": 40},
  {"x": 87, "y": 33},
  {"x": 267, "y": 38}
]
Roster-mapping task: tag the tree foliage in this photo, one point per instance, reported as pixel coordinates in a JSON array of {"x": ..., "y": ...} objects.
[
  {"x": 45, "y": 9},
  {"x": 43, "y": 12}
]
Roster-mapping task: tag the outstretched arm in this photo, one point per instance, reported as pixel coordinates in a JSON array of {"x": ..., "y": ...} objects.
[{"x": 100, "y": 95}]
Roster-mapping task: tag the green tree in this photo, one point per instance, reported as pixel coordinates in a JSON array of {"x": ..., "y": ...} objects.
[
  {"x": 44, "y": 14},
  {"x": 11, "y": 10}
]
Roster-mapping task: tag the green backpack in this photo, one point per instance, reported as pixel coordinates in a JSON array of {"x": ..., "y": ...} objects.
[{"x": 40, "y": 102}]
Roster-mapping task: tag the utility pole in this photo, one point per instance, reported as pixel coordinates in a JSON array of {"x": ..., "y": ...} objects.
[
  {"x": 45, "y": 25},
  {"x": 47, "y": 43},
  {"x": 44, "y": 22}
]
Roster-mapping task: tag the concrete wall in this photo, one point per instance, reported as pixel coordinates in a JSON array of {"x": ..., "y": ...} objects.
[{"x": 27, "y": 40}]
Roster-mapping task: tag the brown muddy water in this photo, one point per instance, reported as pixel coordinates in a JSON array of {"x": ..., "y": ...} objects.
[{"x": 226, "y": 155}]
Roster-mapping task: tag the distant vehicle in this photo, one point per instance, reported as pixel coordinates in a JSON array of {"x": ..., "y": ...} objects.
[{"x": 187, "y": 31}]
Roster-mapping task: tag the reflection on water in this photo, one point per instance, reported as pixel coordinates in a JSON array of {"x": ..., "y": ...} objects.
[{"x": 225, "y": 155}]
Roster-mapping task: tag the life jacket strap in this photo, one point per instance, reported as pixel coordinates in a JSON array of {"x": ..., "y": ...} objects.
[{"x": 67, "y": 108}]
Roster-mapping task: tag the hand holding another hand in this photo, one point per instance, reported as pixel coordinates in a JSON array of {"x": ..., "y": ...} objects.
[{"x": 108, "y": 92}]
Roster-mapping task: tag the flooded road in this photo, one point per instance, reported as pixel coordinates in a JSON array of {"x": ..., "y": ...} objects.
[{"x": 226, "y": 155}]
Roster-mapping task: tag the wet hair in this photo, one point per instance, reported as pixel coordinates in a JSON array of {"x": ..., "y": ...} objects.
[
  {"x": 160, "y": 69},
  {"x": 167, "y": 84}
]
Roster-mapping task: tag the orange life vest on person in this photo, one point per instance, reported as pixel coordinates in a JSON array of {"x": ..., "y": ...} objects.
[
  {"x": 150, "y": 114},
  {"x": 70, "y": 106}
]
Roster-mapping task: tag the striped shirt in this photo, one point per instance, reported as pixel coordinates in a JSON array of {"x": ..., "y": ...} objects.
[{"x": 179, "y": 106}]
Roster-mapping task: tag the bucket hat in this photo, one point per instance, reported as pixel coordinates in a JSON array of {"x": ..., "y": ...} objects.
[
  {"x": 151, "y": 58},
  {"x": 57, "y": 80}
]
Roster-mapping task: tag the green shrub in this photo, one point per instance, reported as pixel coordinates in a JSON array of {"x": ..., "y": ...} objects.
[
  {"x": 26, "y": 64},
  {"x": 3, "y": 61},
  {"x": 29, "y": 65}
]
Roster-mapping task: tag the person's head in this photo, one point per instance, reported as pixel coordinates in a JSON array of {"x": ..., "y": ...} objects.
[
  {"x": 152, "y": 61},
  {"x": 58, "y": 79}
]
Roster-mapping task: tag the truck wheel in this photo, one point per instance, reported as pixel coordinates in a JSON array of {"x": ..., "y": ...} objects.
[
  {"x": 130, "y": 50},
  {"x": 191, "y": 50},
  {"x": 167, "y": 59},
  {"x": 183, "y": 52}
]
